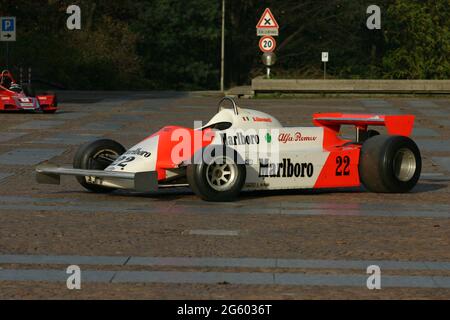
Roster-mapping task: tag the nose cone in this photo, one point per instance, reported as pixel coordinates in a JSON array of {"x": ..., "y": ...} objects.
[{"x": 140, "y": 158}]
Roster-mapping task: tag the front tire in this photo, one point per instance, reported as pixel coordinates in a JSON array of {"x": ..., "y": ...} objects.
[
  {"x": 97, "y": 155},
  {"x": 219, "y": 180},
  {"x": 390, "y": 164}
]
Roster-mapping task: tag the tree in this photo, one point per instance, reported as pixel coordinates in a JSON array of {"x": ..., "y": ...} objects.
[
  {"x": 418, "y": 40},
  {"x": 180, "y": 43}
]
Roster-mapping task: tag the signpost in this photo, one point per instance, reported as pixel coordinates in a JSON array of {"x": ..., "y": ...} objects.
[
  {"x": 325, "y": 58},
  {"x": 269, "y": 59},
  {"x": 267, "y": 28},
  {"x": 267, "y": 25},
  {"x": 7, "y": 33},
  {"x": 267, "y": 44}
]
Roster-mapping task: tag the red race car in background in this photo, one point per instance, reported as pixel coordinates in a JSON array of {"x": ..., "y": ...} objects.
[{"x": 14, "y": 98}]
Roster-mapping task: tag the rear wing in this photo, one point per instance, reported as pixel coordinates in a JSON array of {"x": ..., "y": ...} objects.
[{"x": 401, "y": 125}]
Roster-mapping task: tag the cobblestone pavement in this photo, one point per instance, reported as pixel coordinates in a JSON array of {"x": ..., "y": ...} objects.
[{"x": 170, "y": 244}]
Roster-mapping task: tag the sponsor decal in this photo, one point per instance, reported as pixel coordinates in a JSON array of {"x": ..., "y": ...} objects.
[
  {"x": 268, "y": 138},
  {"x": 285, "y": 169},
  {"x": 257, "y": 119},
  {"x": 139, "y": 152},
  {"x": 239, "y": 139},
  {"x": 297, "y": 137}
]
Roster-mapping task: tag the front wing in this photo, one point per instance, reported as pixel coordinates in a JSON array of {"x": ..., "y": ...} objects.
[{"x": 138, "y": 181}]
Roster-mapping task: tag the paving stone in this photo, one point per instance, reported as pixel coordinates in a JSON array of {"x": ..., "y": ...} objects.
[
  {"x": 202, "y": 262},
  {"x": 444, "y": 162},
  {"x": 7, "y": 136},
  {"x": 368, "y": 103},
  {"x": 70, "y": 115},
  {"x": 40, "y": 124},
  {"x": 54, "y": 275},
  {"x": 384, "y": 110},
  {"x": 126, "y": 118},
  {"x": 425, "y": 132},
  {"x": 4, "y": 175},
  {"x": 435, "y": 113},
  {"x": 69, "y": 260},
  {"x": 194, "y": 107},
  {"x": 193, "y": 277},
  {"x": 443, "y": 122},
  {"x": 434, "y": 145},
  {"x": 28, "y": 156},
  {"x": 422, "y": 104},
  {"x": 103, "y": 126},
  {"x": 243, "y": 278},
  {"x": 68, "y": 139},
  {"x": 213, "y": 233}
]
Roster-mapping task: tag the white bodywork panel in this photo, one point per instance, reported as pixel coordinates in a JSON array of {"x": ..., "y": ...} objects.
[
  {"x": 140, "y": 158},
  {"x": 293, "y": 170},
  {"x": 276, "y": 157}
]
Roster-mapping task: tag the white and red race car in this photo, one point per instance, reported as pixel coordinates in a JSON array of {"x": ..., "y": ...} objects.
[{"x": 242, "y": 149}]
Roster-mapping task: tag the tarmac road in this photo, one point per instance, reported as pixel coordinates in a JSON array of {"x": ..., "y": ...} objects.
[{"x": 170, "y": 244}]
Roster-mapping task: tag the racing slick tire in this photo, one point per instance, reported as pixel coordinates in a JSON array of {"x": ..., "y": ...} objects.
[
  {"x": 97, "y": 155},
  {"x": 372, "y": 133},
  {"x": 364, "y": 136},
  {"x": 389, "y": 164},
  {"x": 219, "y": 179}
]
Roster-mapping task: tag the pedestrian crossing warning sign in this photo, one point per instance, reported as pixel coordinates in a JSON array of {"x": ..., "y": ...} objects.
[{"x": 267, "y": 21}]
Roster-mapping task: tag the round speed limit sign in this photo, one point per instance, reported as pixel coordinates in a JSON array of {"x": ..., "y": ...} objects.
[{"x": 267, "y": 44}]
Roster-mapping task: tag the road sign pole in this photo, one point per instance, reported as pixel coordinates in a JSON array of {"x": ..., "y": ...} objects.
[
  {"x": 324, "y": 71},
  {"x": 267, "y": 28},
  {"x": 7, "y": 55},
  {"x": 222, "y": 62}
]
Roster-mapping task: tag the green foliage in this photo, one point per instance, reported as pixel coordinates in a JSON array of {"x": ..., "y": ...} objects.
[
  {"x": 180, "y": 43},
  {"x": 418, "y": 40},
  {"x": 172, "y": 44}
]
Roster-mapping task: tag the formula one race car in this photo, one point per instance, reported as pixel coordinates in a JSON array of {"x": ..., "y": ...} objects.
[
  {"x": 243, "y": 149},
  {"x": 14, "y": 98}
]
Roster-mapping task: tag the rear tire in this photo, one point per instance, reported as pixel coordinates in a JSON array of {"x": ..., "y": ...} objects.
[
  {"x": 97, "y": 155},
  {"x": 217, "y": 182},
  {"x": 389, "y": 164}
]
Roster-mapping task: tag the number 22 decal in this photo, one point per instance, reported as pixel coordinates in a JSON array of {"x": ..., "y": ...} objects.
[
  {"x": 343, "y": 166},
  {"x": 123, "y": 162}
]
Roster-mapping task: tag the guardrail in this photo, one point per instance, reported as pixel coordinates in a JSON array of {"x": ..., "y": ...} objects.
[{"x": 261, "y": 85}]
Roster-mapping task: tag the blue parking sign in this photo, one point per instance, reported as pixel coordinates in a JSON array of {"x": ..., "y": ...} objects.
[
  {"x": 8, "y": 29},
  {"x": 8, "y": 25}
]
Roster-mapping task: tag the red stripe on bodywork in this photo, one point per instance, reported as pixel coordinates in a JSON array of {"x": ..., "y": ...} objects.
[
  {"x": 167, "y": 143},
  {"x": 337, "y": 172}
]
